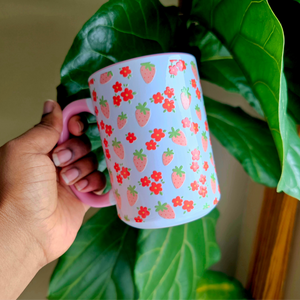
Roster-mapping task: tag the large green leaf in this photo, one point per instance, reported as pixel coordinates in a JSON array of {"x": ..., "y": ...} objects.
[
  {"x": 99, "y": 264},
  {"x": 171, "y": 261},
  {"x": 216, "y": 285},
  {"x": 119, "y": 30},
  {"x": 246, "y": 138},
  {"x": 254, "y": 37},
  {"x": 218, "y": 66}
]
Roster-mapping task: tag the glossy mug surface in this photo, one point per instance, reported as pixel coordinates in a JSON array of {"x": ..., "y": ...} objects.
[{"x": 153, "y": 126}]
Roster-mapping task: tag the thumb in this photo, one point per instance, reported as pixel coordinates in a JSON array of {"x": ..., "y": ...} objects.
[{"x": 43, "y": 137}]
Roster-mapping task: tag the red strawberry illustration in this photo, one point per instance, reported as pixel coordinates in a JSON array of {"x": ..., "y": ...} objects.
[
  {"x": 147, "y": 71},
  {"x": 94, "y": 94},
  {"x": 91, "y": 81},
  {"x": 178, "y": 177},
  {"x": 194, "y": 69},
  {"x": 213, "y": 183},
  {"x": 106, "y": 77},
  {"x": 140, "y": 160},
  {"x": 211, "y": 159},
  {"x": 142, "y": 114},
  {"x": 198, "y": 112},
  {"x": 118, "y": 199},
  {"x": 118, "y": 148},
  {"x": 178, "y": 137},
  {"x": 186, "y": 98},
  {"x": 122, "y": 120},
  {"x": 167, "y": 156},
  {"x": 132, "y": 195},
  {"x": 204, "y": 141},
  {"x": 104, "y": 107},
  {"x": 165, "y": 210}
]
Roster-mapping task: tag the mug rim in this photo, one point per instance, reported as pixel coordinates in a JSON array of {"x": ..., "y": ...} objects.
[{"x": 134, "y": 58}]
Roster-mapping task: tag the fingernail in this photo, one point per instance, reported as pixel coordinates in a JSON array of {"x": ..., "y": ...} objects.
[
  {"x": 100, "y": 192},
  {"x": 61, "y": 157},
  {"x": 80, "y": 126},
  {"x": 70, "y": 175},
  {"x": 48, "y": 107},
  {"x": 81, "y": 184}
]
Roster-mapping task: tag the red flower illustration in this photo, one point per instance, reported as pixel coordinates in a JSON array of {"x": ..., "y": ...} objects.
[
  {"x": 117, "y": 100},
  {"x": 125, "y": 71},
  {"x": 130, "y": 137},
  {"x": 202, "y": 179},
  {"x": 151, "y": 145},
  {"x": 117, "y": 167},
  {"x": 205, "y": 166},
  {"x": 177, "y": 201},
  {"x": 194, "y": 166},
  {"x": 102, "y": 125},
  {"x": 108, "y": 130},
  {"x": 144, "y": 212},
  {"x": 120, "y": 179},
  {"x": 117, "y": 87},
  {"x": 173, "y": 70},
  {"x": 202, "y": 191},
  {"x": 215, "y": 201},
  {"x": 181, "y": 65},
  {"x": 198, "y": 93},
  {"x": 125, "y": 173},
  {"x": 188, "y": 205},
  {"x": 193, "y": 82},
  {"x": 94, "y": 94},
  {"x": 158, "y": 98},
  {"x": 186, "y": 122},
  {"x": 169, "y": 92},
  {"x": 96, "y": 111},
  {"x": 194, "y": 127},
  {"x": 105, "y": 142},
  {"x": 158, "y": 134},
  {"x": 194, "y": 186},
  {"x": 169, "y": 105},
  {"x": 127, "y": 94},
  {"x": 155, "y": 188},
  {"x": 195, "y": 154},
  {"x": 107, "y": 153},
  {"x": 145, "y": 181},
  {"x": 138, "y": 219},
  {"x": 156, "y": 176},
  {"x": 206, "y": 125}
]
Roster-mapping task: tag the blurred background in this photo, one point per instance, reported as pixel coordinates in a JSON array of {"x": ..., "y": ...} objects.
[{"x": 35, "y": 36}]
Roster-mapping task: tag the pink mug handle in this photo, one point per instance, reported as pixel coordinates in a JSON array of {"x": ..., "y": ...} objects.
[{"x": 74, "y": 108}]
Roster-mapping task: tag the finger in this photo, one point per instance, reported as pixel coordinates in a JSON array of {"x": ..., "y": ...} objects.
[
  {"x": 79, "y": 169},
  {"x": 44, "y": 136},
  {"x": 94, "y": 182},
  {"x": 70, "y": 151},
  {"x": 77, "y": 125}
]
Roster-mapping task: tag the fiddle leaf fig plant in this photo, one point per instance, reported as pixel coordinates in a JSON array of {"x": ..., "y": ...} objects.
[{"x": 239, "y": 45}]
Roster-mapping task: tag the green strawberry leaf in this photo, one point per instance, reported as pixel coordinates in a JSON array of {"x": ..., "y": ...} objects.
[
  {"x": 217, "y": 285},
  {"x": 86, "y": 271},
  {"x": 259, "y": 55},
  {"x": 248, "y": 139},
  {"x": 163, "y": 255}
]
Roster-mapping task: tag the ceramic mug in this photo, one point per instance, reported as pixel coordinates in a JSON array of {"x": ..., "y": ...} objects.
[{"x": 154, "y": 132}]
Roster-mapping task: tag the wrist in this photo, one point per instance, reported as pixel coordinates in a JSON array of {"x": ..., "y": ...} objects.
[{"x": 20, "y": 256}]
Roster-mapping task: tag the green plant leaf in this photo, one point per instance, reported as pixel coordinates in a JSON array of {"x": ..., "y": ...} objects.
[
  {"x": 99, "y": 264},
  {"x": 217, "y": 285},
  {"x": 119, "y": 30},
  {"x": 170, "y": 261},
  {"x": 218, "y": 66},
  {"x": 248, "y": 139},
  {"x": 259, "y": 54}
]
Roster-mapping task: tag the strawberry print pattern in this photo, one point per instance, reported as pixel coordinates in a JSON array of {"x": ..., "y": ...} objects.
[{"x": 155, "y": 139}]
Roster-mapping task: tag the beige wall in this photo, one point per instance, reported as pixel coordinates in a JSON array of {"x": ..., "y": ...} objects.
[{"x": 35, "y": 36}]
